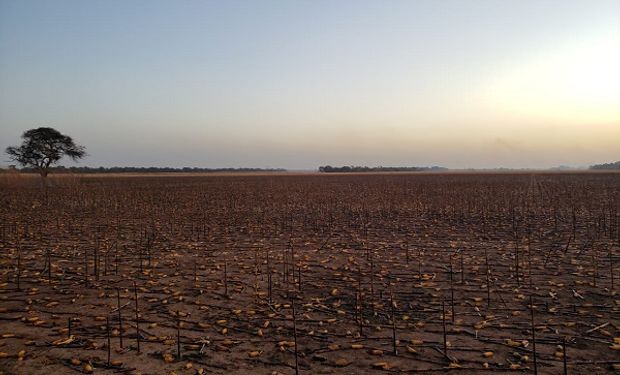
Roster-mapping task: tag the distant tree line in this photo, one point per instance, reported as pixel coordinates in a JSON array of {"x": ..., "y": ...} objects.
[
  {"x": 615, "y": 165},
  {"x": 62, "y": 169},
  {"x": 351, "y": 168}
]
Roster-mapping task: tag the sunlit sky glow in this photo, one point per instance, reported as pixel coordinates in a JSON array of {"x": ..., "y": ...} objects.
[{"x": 298, "y": 84}]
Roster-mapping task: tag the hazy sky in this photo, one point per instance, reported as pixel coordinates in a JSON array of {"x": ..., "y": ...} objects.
[{"x": 298, "y": 84}]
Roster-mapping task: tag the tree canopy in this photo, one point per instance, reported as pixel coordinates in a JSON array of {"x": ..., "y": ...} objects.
[
  {"x": 357, "y": 169},
  {"x": 610, "y": 166},
  {"x": 43, "y": 147}
]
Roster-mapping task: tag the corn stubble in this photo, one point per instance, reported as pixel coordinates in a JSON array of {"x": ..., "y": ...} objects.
[{"x": 310, "y": 274}]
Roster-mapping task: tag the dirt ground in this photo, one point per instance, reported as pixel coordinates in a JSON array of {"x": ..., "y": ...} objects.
[{"x": 319, "y": 274}]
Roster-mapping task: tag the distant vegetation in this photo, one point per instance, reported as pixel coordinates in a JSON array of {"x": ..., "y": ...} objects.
[
  {"x": 615, "y": 165},
  {"x": 154, "y": 170},
  {"x": 345, "y": 169},
  {"x": 42, "y": 148}
]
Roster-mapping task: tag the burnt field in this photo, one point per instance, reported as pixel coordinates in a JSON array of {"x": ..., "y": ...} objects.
[{"x": 495, "y": 273}]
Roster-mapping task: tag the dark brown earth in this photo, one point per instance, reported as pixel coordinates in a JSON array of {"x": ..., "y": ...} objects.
[{"x": 394, "y": 249}]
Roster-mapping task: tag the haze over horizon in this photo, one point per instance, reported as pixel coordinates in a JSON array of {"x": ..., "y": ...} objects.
[{"x": 459, "y": 84}]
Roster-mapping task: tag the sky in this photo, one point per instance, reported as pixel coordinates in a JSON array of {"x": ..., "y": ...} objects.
[{"x": 298, "y": 84}]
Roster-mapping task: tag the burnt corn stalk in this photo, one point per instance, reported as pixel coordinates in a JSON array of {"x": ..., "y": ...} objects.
[
  {"x": 120, "y": 317},
  {"x": 443, "y": 325},
  {"x": 533, "y": 335},
  {"x": 135, "y": 290}
]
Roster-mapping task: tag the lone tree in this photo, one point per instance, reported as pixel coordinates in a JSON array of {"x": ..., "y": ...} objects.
[{"x": 43, "y": 147}]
